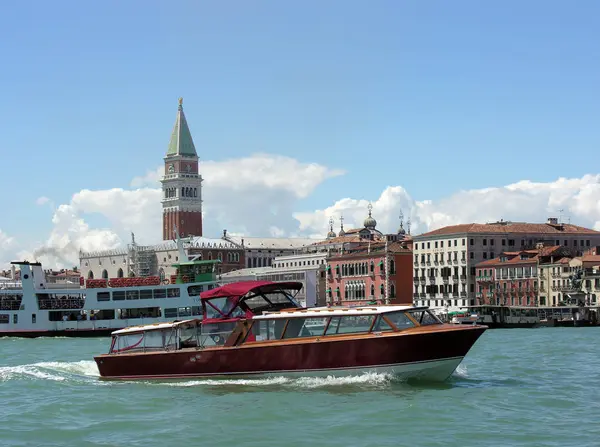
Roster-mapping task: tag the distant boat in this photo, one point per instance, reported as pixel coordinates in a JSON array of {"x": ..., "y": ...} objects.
[
  {"x": 30, "y": 307},
  {"x": 256, "y": 329}
]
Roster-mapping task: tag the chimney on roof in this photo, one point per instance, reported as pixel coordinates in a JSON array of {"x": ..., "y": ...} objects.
[{"x": 552, "y": 221}]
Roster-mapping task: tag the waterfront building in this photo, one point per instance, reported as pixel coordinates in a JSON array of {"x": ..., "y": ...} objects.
[
  {"x": 445, "y": 260},
  {"x": 158, "y": 260},
  {"x": 181, "y": 183},
  {"x": 351, "y": 239},
  {"x": 517, "y": 278},
  {"x": 559, "y": 286},
  {"x": 63, "y": 278},
  {"x": 539, "y": 277},
  {"x": 262, "y": 251},
  {"x": 374, "y": 273}
]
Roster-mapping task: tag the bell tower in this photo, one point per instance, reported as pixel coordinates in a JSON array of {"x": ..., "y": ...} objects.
[{"x": 182, "y": 183}]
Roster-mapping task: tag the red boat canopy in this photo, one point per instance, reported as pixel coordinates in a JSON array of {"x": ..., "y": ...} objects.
[{"x": 239, "y": 289}]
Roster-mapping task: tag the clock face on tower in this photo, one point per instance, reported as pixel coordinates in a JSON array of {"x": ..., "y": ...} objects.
[{"x": 171, "y": 168}]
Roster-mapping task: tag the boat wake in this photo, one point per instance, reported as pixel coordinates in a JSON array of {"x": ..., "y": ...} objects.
[
  {"x": 297, "y": 382},
  {"x": 461, "y": 372},
  {"x": 85, "y": 371},
  {"x": 55, "y": 371}
]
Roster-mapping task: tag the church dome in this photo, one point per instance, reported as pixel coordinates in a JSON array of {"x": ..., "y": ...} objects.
[
  {"x": 342, "y": 232},
  {"x": 331, "y": 232},
  {"x": 369, "y": 221}
]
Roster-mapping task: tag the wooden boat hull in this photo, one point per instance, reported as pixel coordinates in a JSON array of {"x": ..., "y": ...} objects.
[{"x": 426, "y": 352}]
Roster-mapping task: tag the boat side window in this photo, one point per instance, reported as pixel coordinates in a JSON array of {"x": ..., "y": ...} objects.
[
  {"x": 381, "y": 325},
  {"x": 265, "y": 329},
  {"x": 156, "y": 340},
  {"x": 424, "y": 317},
  {"x": 188, "y": 336},
  {"x": 160, "y": 293},
  {"x": 398, "y": 319},
  {"x": 305, "y": 327},
  {"x": 216, "y": 333},
  {"x": 350, "y": 324},
  {"x": 129, "y": 342},
  {"x": 118, "y": 295},
  {"x": 146, "y": 294},
  {"x": 173, "y": 292},
  {"x": 195, "y": 290},
  {"x": 171, "y": 313}
]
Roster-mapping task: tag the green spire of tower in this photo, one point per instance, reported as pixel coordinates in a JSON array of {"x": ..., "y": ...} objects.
[{"x": 181, "y": 138}]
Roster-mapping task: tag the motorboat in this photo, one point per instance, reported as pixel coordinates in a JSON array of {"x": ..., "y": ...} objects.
[{"x": 256, "y": 329}]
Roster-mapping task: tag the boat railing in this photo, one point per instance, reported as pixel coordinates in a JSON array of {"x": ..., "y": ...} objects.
[{"x": 11, "y": 285}]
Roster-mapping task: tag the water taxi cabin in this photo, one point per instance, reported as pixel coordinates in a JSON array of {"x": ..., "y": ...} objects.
[{"x": 255, "y": 311}]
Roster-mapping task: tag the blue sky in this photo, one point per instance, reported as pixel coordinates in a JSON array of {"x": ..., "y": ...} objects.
[{"x": 435, "y": 96}]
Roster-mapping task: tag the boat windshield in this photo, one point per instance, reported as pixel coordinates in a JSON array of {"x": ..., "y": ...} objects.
[
  {"x": 269, "y": 301},
  {"x": 398, "y": 319},
  {"x": 424, "y": 317}
]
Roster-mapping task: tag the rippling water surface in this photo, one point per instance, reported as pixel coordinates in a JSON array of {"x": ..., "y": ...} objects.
[{"x": 516, "y": 387}]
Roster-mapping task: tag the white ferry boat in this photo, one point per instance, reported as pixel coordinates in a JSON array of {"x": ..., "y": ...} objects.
[{"x": 29, "y": 308}]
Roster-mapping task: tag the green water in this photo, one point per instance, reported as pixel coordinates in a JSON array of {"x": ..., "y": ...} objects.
[{"x": 519, "y": 387}]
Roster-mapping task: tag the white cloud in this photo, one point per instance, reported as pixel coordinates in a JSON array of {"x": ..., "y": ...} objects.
[
  {"x": 579, "y": 198},
  {"x": 42, "y": 200},
  {"x": 259, "y": 195},
  {"x": 262, "y": 170},
  {"x": 253, "y": 195}
]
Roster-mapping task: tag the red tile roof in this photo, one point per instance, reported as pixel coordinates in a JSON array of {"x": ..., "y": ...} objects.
[
  {"x": 514, "y": 257},
  {"x": 591, "y": 259},
  {"x": 376, "y": 249},
  {"x": 516, "y": 260},
  {"x": 511, "y": 227}
]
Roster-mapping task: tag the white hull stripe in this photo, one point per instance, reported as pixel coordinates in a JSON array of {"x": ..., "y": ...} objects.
[{"x": 446, "y": 364}]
